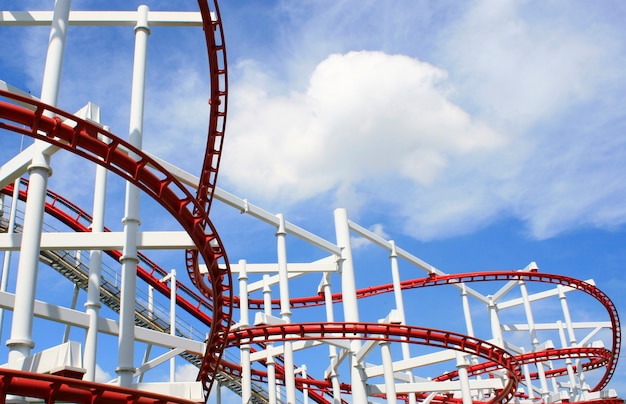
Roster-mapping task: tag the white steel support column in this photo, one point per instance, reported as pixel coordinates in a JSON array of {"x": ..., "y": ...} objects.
[
  {"x": 571, "y": 340},
  {"x": 466, "y": 311},
  {"x": 285, "y": 307},
  {"x": 528, "y": 379},
  {"x": 151, "y": 302},
  {"x": 350, "y": 306},
  {"x": 218, "y": 392},
  {"x": 6, "y": 263},
  {"x": 270, "y": 363},
  {"x": 461, "y": 366},
  {"x": 568, "y": 362},
  {"x": 533, "y": 337},
  {"x": 390, "y": 383},
  {"x": 305, "y": 387},
  {"x": 92, "y": 305},
  {"x": 171, "y": 278},
  {"x": 20, "y": 342},
  {"x": 68, "y": 327},
  {"x": 397, "y": 291},
  {"x": 244, "y": 322},
  {"x": 330, "y": 317},
  {"x": 494, "y": 319},
  {"x": 146, "y": 358},
  {"x": 129, "y": 259},
  {"x": 469, "y": 323}
]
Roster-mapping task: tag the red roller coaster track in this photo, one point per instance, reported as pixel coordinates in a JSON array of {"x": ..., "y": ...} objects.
[{"x": 215, "y": 306}]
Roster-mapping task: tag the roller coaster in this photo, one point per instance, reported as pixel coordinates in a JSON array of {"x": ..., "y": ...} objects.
[{"x": 523, "y": 347}]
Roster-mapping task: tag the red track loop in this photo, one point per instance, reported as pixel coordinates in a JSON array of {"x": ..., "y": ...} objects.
[
  {"x": 78, "y": 220},
  {"x": 598, "y": 357},
  {"x": 56, "y": 388},
  {"x": 81, "y": 138},
  {"x": 392, "y": 333},
  {"x": 489, "y": 276},
  {"x": 216, "y": 49}
]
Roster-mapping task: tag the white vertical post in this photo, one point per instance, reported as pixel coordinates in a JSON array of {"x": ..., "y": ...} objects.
[
  {"x": 496, "y": 328},
  {"x": 466, "y": 311},
  {"x": 528, "y": 379},
  {"x": 173, "y": 322},
  {"x": 285, "y": 309},
  {"x": 218, "y": 392},
  {"x": 244, "y": 322},
  {"x": 92, "y": 305},
  {"x": 350, "y": 306},
  {"x": 397, "y": 290},
  {"x": 270, "y": 363},
  {"x": 146, "y": 356},
  {"x": 468, "y": 323},
  {"x": 571, "y": 338},
  {"x": 330, "y": 317},
  {"x": 461, "y": 366},
  {"x": 390, "y": 383},
  {"x": 6, "y": 263},
  {"x": 171, "y": 277},
  {"x": 20, "y": 342},
  {"x": 151, "y": 302},
  {"x": 68, "y": 327},
  {"x": 305, "y": 387},
  {"x": 129, "y": 259},
  {"x": 533, "y": 337}
]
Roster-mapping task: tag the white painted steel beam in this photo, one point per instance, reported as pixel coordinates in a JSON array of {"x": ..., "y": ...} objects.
[
  {"x": 388, "y": 245},
  {"x": 172, "y": 353},
  {"x": 79, "y": 319},
  {"x": 323, "y": 265},
  {"x": 278, "y": 350},
  {"x": 103, "y": 18},
  {"x": 157, "y": 240},
  {"x": 555, "y": 326},
  {"x": 446, "y": 386},
  {"x": 412, "y": 363},
  {"x": 250, "y": 209},
  {"x": 539, "y": 296},
  {"x": 20, "y": 341}
]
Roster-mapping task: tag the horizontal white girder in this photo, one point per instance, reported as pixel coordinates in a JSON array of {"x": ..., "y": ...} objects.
[
  {"x": 155, "y": 18},
  {"x": 151, "y": 240},
  {"x": 250, "y": 209},
  {"x": 416, "y": 362},
  {"x": 442, "y": 387},
  {"x": 555, "y": 326},
  {"x": 280, "y": 349},
  {"x": 381, "y": 242},
  {"x": 107, "y": 326},
  {"x": 538, "y": 296},
  {"x": 293, "y": 267}
]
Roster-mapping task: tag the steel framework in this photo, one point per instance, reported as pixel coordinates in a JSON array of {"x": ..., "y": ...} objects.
[{"x": 538, "y": 355}]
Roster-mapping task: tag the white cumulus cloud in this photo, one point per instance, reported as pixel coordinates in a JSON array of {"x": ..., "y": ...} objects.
[{"x": 365, "y": 119}]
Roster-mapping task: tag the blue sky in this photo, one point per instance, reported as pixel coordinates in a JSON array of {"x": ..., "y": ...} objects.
[{"x": 478, "y": 135}]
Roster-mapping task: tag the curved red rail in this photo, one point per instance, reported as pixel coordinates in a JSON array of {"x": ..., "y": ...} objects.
[
  {"x": 81, "y": 137},
  {"x": 78, "y": 220},
  {"x": 56, "y": 388},
  {"x": 216, "y": 49},
  {"x": 501, "y": 358},
  {"x": 489, "y": 276},
  {"x": 597, "y": 357}
]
